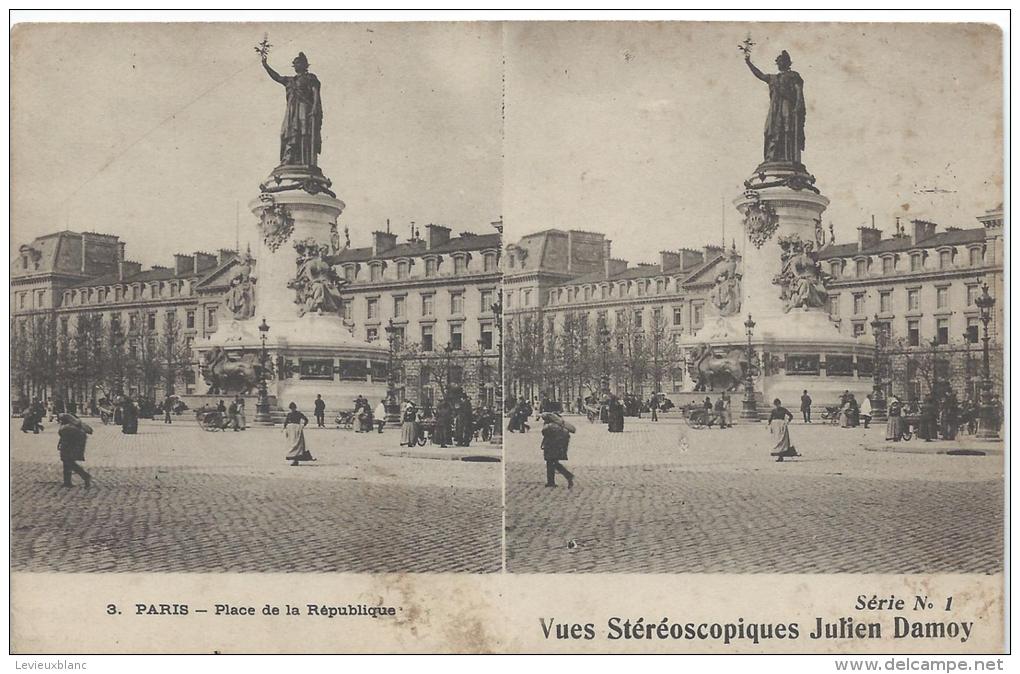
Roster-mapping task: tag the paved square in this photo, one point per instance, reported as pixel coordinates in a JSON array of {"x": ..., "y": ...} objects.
[
  {"x": 664, "y": 498},
  {"x": 176, "y": 498}
]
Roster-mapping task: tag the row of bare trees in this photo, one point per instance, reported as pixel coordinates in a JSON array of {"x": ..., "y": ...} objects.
[
  {"x": 567, "y": 359},
  {"x": 89, "y": 358}
]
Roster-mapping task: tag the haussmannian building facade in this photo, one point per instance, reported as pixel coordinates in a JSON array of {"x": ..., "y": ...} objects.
[{"x": 918, "y": 286}]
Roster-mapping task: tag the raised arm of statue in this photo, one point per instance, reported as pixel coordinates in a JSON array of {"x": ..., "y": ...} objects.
[
  {"x": 754, "y": 69},
  {"x": 272, "y": 73}
]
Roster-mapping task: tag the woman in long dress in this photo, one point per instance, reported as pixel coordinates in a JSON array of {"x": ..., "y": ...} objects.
[
  {"x": 294, "y": 430},
  {"x": 893, "y": 427},
  {"x": 409, "y": 425},
  {"x": 779, "y": 421},
  {"x": 615, "y": 415}
]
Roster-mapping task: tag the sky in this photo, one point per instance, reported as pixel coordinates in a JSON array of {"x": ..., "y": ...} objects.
[
  {"x": 647, "y": 131},
  {"x": 162, "y": 133}
]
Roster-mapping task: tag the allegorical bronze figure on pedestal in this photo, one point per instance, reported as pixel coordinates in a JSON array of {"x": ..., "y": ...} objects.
[{"x": 784, "y": 126}]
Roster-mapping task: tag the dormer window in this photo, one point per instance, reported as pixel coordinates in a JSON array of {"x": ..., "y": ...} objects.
[
  {"x": 945, "y": 259},
  {"x": 375, "y": 272},
  {"x": 916, "y": 262},
  {"x": 402, "y": 269},
  {"x": 350, "y": 273},
  {"x": 836, "y": 268},
  {"x": 431, "y": 267},
  {"x": 977, "y": 258},
  {"x": 459, "y": 264},
  {"x": 888, "y": 265},
  {"x": 862, "y": 268},
  {"x": 489, "y": 262}
]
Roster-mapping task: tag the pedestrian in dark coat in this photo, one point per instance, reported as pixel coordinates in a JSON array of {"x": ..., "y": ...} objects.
[
  {"x": 128, "y": 417},
  {"x": 615, "y": 415},
  {"x": 929, "y": 419},
  {"x": 464, "y": 423},
  {"x": 444, "y": 423},
  {"x": 555, "y": 441},
  {"x": 320, "y": 411},
  {"x": 71, "y": 446}
]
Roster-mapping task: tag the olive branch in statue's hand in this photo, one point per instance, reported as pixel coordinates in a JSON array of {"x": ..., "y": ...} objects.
[
  {"x": 262, "y": 48},
  {"x": 745, "y": 47}
]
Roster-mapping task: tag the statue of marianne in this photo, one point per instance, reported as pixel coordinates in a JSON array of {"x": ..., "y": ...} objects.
[
  {"x": 784, "y": 126},
  {"x": 301, "y": 134}
]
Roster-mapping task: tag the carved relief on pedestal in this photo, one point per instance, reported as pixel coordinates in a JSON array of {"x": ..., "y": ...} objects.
[
  {"x": 760, "y": 220},
  {"x": 726, "y": 294},
  {"x": 275, "y": 223}
]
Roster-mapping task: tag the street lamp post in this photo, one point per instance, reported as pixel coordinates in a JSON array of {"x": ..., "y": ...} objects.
[
  {"x": 987, "y": 421},
  {"x": 262, "y": 406},
  {"x": 749, "y": 411},
  {"x": 497, "y": 428},
  {"x": 878, "y": 403},
  {"x": 604, "y": 338},
  {"x": 392, "y": 408}
]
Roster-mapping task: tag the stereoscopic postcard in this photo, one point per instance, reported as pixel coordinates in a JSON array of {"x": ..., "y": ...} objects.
[{"x": 507, "y": 337}]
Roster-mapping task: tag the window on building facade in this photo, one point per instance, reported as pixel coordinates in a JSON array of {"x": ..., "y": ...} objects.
[
  {"x": 132, "y": 321},
  {"x": 486, "y": 330},
  {"x": 489, "y": 262},
  {"x": 456, "y": 336},
  {"x": 834, "y": 306},
  {"x": 210, "y": 317},
  {"x": 605, "y": 292},
  {"x": 942, "y": 297},
  {"x": 640, "y": 288},
  {"x": 570, "y": 295},
  {"x": 916, "y": 262},
  {"x": 430, "y": 267},
  {"x": 63, "y": 325},
  {"x": 697, "y": 315},
  {"x": 678, "y": 315},
  {"x": 942, "y": 330},
  {"x": 858, "y": 329},
  {"x": 914, "y": 332},
  {"x": 349, "y": 273},
  {"x": 426, "y": 338},
  {"x": 660, "y": 286},
  {"x": 427, "y": 302},
  {"x": 976, "y": 257},
  {"x": 945, "y": 259},
  {"x": 638, "y": 317},
  {"x": 22, "y": 300},
  {"x": 835, "y": 268},
  {"x": 885, "y": 301},
  {"x": 587, "y": 293},
  {"x": 888, "y": 265},
  {"x": 862, "y": 268},
  {"x": 457, "y": 303},
  {"x": 485, "y": 301},
  {"x": 402, "y": 269},
  {"x": 973, "y": 292},
  {"x": 657, "y": 317},
  {"x": 859, "y": 304},
  {"x": 972, "y": 330},
  {"x": 526, "y": 298},
  {"x": 372, "y": 308},
  {"x": 190, "y": 318},
  {"x": 459, "y": 264},
  {"x": 152, "y": 321},
  {"x": 509, "y": 299},
  {"x": 371, "y": 334},
  {"x": 398, "y": 336},
  {"x": 398, "y": 307},
  {"x": 347, "y": 309},
  {"x": 913, "y": 299},
  {"x": 375, "y": 273}
]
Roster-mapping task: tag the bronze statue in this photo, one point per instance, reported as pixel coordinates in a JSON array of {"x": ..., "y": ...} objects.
[
  {"x": 227, "y": 376},
  {"x": 784, "y": 126},
  {"x": 300, "y": 135},
  {"x": 711, "y": 370}
]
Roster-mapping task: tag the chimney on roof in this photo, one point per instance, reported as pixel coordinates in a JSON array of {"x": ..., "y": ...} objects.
[
  {"x": 383, "y": 242},
  {"x": 690, "y": 258},
  {"x": 712, "y": 251},
  {"x": 120, "y": 251},
  {"x": 84, "y": 245},
  {"x": 669, "y": 260},
  {"x": 868, "y": 237},
  {"x": 614, "y": 266},
  {"x": 183, "y": 264},
  {"x": 126, "y": 269},
  {"x": 204, "y": 261},
  {"x": 226, "y": 254},
  {"x": 923, "y": 229},
  {"x": 607, "y": 247},
  {"x": 437, "y": 236}
]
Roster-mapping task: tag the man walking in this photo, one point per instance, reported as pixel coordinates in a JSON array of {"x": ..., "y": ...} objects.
[
  {"x": 320, "y": 411},
  {"x": 380, "y": 415},
  {"x": 168, "y": 403},
  {"x": 865, "y": 411},
  {"x": 805, "y": 407},
  {"x": 233, "y": 417}
]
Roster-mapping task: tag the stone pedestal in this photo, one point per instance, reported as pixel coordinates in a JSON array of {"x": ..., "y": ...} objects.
[
  {"x": 312, "y": 353},
  {"x": 801, "y": 348}
]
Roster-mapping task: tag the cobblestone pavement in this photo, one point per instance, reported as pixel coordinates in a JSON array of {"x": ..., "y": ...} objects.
[
  {"x": 176, "y": 498},
  {"x": 663, "y": 498}
]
